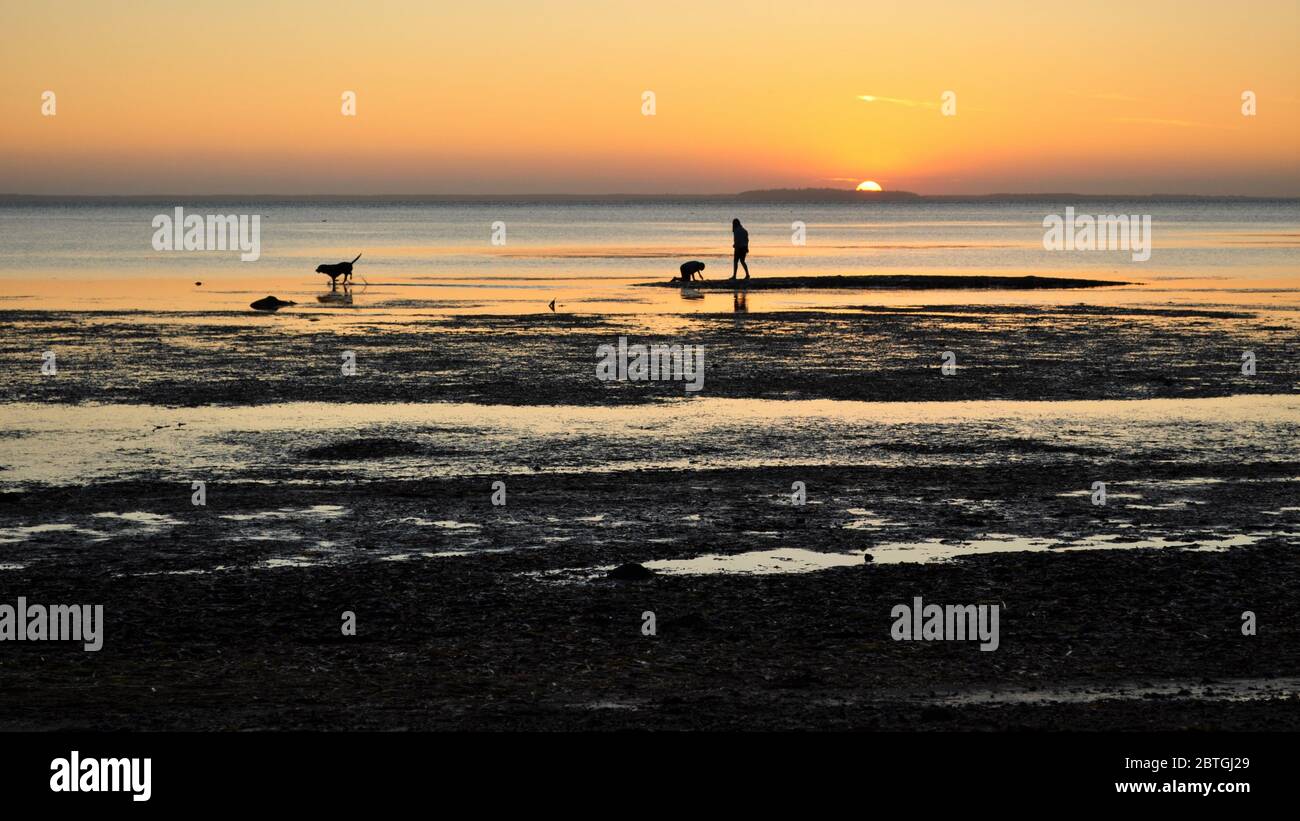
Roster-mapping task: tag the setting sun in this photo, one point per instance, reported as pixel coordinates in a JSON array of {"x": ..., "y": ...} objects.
[{"x": 868, "y": 185}]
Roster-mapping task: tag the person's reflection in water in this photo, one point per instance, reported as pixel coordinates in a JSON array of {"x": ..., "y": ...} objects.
[{"x": 738, "y": 303}]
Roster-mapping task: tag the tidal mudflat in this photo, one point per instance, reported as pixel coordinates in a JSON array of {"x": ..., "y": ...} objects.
[
  {"x": 373, "y": 494},
  {"x": 869, "y": 353}
]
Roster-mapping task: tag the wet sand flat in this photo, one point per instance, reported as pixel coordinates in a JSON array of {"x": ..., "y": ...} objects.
[
  {"x": 877, "y": 355},
  {"x": 372, "y": 494},
  {"x": 492, "y": 618},
  {"x": 227, "y": 616}
]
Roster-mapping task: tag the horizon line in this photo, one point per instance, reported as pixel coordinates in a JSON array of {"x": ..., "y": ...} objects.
[{"x": 843, "y": 194}]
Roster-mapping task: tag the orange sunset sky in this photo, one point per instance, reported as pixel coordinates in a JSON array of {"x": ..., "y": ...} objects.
[{"x": 525, "y": 97}]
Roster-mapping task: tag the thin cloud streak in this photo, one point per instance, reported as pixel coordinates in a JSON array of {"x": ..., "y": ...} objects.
[
  {"x": 871, "y": 98},
  {"x": 1173, "y": 123}
]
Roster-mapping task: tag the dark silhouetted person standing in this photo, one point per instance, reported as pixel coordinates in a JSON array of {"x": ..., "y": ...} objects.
[{"x": 740, "y": 244}]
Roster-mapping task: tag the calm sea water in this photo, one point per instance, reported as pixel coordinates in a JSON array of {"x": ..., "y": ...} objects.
[{"x": 441, "y": 256}]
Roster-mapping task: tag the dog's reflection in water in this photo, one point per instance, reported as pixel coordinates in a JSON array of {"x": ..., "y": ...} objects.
[{"x": 340, "y": 297}]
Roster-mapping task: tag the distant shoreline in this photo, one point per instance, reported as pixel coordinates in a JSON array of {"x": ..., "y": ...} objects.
[
  {"x": 902, "y": 282},
  {"x": 823, "y": 196}
]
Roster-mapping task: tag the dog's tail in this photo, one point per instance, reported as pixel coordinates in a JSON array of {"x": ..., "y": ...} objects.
[{"x": 357, "y": 257}]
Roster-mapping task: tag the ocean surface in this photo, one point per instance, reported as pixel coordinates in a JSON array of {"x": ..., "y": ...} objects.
[{"x": 440, "y": 258}]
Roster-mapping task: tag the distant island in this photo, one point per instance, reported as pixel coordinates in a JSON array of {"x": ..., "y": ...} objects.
[
  {"x": 826, "y": 195},
  {"x": 837, "y": 195}
]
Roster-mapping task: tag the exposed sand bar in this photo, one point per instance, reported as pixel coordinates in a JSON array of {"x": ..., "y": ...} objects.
[
  {"x": 903, "y": 282},
  {"x": 1025, "y": 353}
]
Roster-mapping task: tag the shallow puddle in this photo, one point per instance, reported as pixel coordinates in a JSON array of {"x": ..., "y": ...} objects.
[
  {"x": 70, "y": 444},
  {"x": 762, "y": 562},
  {"x": 800, "y": 560},
  {"x": 324, "y": 511}
]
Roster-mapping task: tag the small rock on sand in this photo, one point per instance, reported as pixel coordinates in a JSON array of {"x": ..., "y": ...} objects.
[
  {"x": 269, "y": 303},
  {"x": 631, "y": 572}
]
